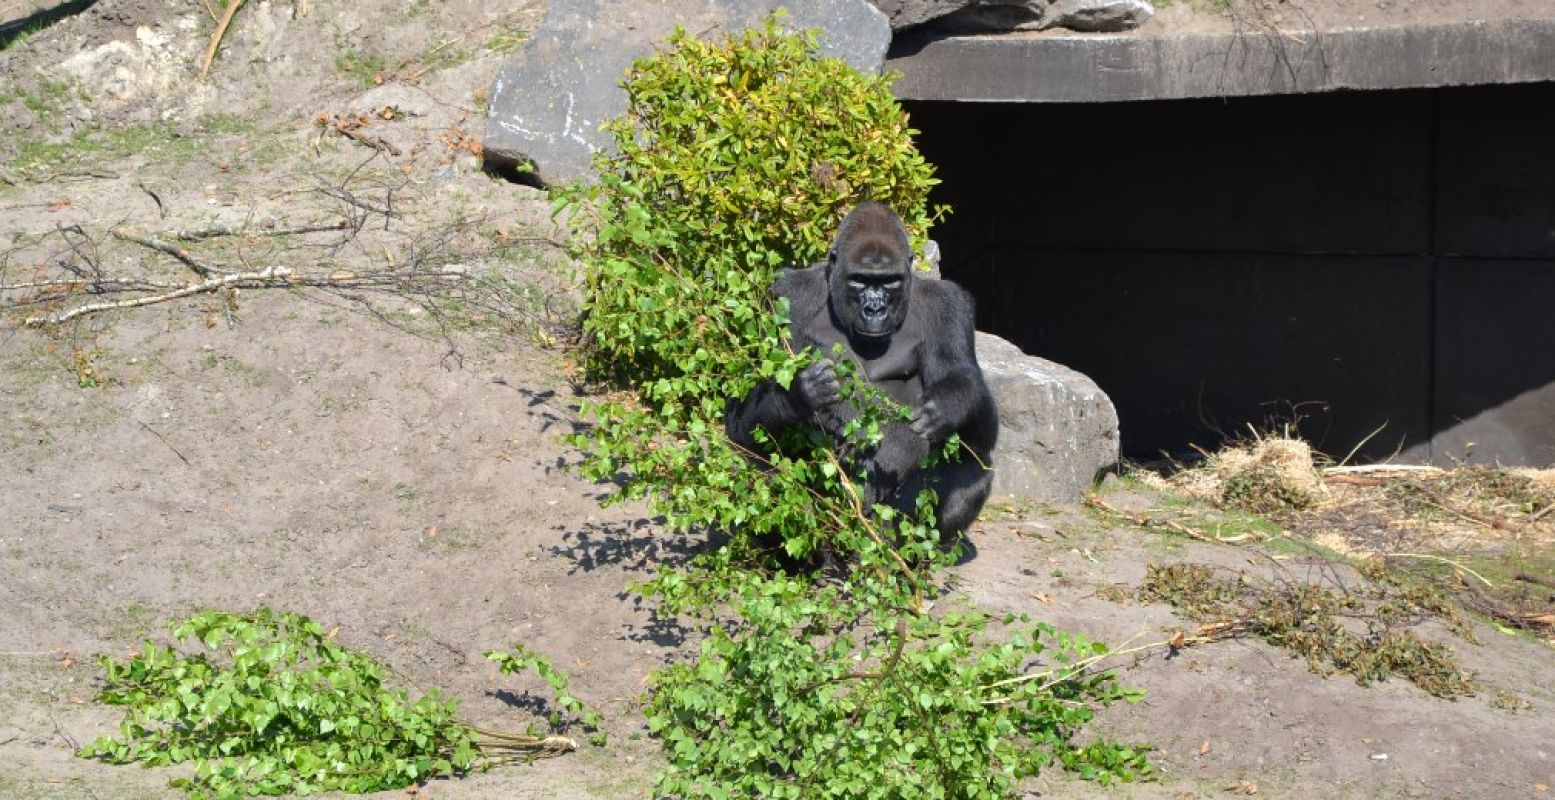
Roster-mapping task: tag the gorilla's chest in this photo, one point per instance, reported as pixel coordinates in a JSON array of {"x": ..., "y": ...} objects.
[{"x": 892, "y": 365}]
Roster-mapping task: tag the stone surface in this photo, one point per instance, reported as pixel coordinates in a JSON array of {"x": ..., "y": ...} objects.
[
  {"x": 1097, "y": 16},
  {"x": 1057, "y": 428},
  {"x": 1010, "y": 15},
  {"x": 548, "y": 102},
  {"x": 1029, "y": 67},
  {"x": 907, "y": 13}
]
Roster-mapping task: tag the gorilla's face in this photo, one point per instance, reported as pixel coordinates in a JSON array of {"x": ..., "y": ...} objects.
[
  {"x": 870, "y": 272},
  {"x": 877, "y": 303}
]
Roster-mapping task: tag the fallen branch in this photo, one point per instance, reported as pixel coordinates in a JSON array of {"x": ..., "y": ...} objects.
[
  {"x": 1368, "y": 469},
  {"x": 163, "y": 246},
  {"x": 1444, "y": 561},
  {"x": 1169, "y": 525},
  {"x": 221, "y": 30},
  {"x": 212, "y": 232},
  {"x": 1435, "y": 499},
  {"x": 267, "y": 274},
  {"x": 268, "y": 278},
  {"x": 375, "y": 142}
]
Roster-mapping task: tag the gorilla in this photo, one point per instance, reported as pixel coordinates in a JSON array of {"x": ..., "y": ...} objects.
[{"x": 913, "y": 340}]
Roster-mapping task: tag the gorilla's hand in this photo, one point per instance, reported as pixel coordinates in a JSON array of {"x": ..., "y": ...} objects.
[
  {"x": 930, "y": 423},
  {"x": 818, "y": 387}
]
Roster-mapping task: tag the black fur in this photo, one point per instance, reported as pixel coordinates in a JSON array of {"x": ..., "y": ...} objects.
[{"x": 913, "y": 339}]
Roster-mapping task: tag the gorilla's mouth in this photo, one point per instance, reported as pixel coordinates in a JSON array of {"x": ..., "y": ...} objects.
[{"x": 874, "y": 322}]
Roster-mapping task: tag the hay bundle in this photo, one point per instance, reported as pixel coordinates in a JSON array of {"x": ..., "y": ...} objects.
[{"x": 1263, "y": 476}]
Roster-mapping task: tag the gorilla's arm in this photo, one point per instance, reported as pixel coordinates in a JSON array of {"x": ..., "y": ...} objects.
[
  {"x": 813, "y": 396},
  {"x": 955, "y": 399}
]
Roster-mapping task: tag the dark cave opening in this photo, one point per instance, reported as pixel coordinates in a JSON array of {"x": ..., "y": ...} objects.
[{"x": 1374, "y": 269}]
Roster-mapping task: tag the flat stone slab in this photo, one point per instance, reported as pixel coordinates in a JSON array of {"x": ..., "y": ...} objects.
[
  {"x": 1043, "y": 67},
  {"x": 548, "y": 101},
  {"x": 1057, "y": 428}
]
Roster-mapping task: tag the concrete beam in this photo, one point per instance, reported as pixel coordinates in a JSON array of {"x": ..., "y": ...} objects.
[{"x": 1080, "y": 68}]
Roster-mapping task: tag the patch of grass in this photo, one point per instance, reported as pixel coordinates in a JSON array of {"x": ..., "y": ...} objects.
[
  {"x": 225, "y": 123},
  {"x": 507, "y": 41},
  {"x": 1476, "y": 489},
  {"x": 1318, "y": 622},
  {"x": 1507, "y": 701},
  {"x": 94, "y": 145},
  {"x": 368, "y": 69}
]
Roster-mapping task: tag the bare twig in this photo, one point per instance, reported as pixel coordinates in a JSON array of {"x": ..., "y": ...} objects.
[
  {"x": 267, "y": 274},
  {"x": 59, "y": 729},
  {"x": 197, "y": 234},
  {"x": 1173, "y": 526},
  {"x": 1368, "y": 469},
  {"x": 375, "y": 142},
  {"x": 1444, "y": 561},
  {"x": 153, "y": 432},
  {"x": 163, "y": 246},
  {"x": 221, "y": 30}
]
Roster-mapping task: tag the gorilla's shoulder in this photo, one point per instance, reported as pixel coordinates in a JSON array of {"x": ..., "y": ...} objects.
[
  {"x": 943, "y": 294},
  {"x": 795, "y": 279},
  {"x": 803, "y": 286}
]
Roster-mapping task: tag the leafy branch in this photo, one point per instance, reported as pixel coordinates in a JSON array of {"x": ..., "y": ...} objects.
[
  {"x": 833, "y": 663},
  {"x": 274, "y": 706}
]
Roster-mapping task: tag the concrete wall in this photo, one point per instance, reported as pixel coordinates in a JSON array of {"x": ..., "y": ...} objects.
[{"x": 1355, "y": 261}]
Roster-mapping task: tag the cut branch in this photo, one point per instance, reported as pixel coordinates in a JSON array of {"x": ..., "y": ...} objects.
[
  {"x": 163, "y": 246},
  {"x": 214, "y": 231},
  {"x": 262, "y": 276},
  {"x": 221, "y": 30}
]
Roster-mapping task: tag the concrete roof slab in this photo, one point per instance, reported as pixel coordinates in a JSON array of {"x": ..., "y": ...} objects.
[{"x": 1046, "y": 68}]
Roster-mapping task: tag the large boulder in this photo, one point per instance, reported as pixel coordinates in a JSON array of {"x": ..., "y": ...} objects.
[
  {"x": 1057, "y": 428},
  {"x": 548, "y": 102}
]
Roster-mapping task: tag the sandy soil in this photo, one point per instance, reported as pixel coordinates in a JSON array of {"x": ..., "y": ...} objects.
[{"x": 398, "y": 468}]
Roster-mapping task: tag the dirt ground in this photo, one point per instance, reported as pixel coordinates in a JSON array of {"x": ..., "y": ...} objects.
[{"x": 394, "y": 463}]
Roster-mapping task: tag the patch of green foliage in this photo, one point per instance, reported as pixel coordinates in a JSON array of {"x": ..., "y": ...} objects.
[
  {"x": 283, "y": 709},
  {"x": 92, "y": 146},
  {"x": 1309, "y": 620},
  {"x": 225, "y": 123},
  {"x": 734, "y": 159},
  {"x": 507, "y": 41},
  {"x": 1263, "y": 489},
  {"x": 367, "y": 69}
]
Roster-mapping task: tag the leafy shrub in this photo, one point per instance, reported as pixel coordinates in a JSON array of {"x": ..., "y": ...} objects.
[
  {"x": 285, "y": 710},
  {"x": 734, "y": 159}
]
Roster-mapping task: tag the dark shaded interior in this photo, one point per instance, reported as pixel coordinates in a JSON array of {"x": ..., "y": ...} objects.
[
  {"x": 1349, "y": 262},
  {"x": 14, "y": 29}
]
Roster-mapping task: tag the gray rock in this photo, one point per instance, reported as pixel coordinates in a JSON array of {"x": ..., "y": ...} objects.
[
  {"x": 1014, "y": 15},
  {"x": 1057, "y": 428},
  {"x": 548, "y": 102},
  {"x": 907, "y": 13},
  {"x": 1100, "y": 16}
]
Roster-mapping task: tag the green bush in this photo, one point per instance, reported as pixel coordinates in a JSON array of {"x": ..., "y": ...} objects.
[
  {"x": 755, "y": 145},
  {"x": 736, "y": 158},
  {"x": 273, "y": 705}
]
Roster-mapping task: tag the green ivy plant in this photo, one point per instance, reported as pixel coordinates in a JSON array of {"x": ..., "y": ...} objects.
[
  {"x": 864, "y": 680},
  {"x": 274, "y": 706}
]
